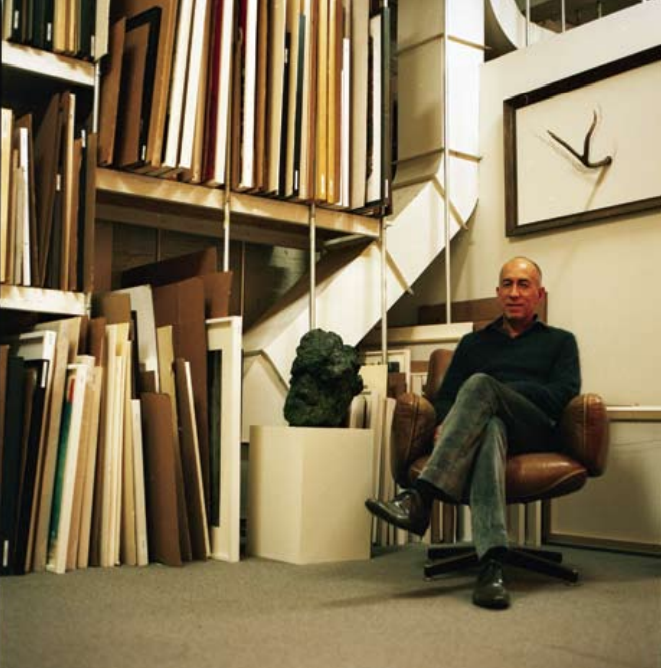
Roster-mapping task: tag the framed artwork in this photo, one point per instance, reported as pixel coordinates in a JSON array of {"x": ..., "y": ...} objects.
[
  {"x": 224, "y": 336},
  {"x": 584, "y": 148},
  {"x": 400, "y": 357}
]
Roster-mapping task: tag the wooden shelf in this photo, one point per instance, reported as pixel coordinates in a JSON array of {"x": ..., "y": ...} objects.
[
  {"x": 155, "y": 202},
  {"x": 42, "y": 300},
  {"x": 45, "y": 63},
  {"x": 634, "y": 413}
]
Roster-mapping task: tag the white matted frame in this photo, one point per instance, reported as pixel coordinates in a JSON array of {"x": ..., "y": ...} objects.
[
  {"x": 584, "y": 148},
  {"x": 401, "y": 356},
  {"x": 225, "y": 334}
]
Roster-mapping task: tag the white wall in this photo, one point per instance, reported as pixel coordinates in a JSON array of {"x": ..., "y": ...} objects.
[{"x": 604, "y": 279}]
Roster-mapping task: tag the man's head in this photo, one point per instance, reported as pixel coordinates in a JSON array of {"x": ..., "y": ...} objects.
[{"x": 519, "y": 291}]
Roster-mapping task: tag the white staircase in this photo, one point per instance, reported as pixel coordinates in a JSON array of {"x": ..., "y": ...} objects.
[
  {"x": 349, "y": 281},
  {"x": 507, "y": 29}
]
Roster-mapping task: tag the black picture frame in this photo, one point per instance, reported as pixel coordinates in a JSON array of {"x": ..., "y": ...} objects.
[{"x": 525, "y": 183}]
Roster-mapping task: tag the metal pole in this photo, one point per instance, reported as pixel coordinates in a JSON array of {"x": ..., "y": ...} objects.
[
  {"x": 446, "y": 167},
  {"x": 313, "y": 266},
  {"x": 227, "y": 206},
  {"x": 243, "y": 279},
  {"x": 563, "y": 15},
  {"x": 97, "y": 96},
  {"x": 527, "y": 22},
  {"x": 383, "y": 245},
  {"x": 226, "y": 228}
]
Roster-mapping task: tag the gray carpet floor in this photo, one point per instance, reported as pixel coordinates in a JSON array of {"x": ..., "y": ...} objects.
[{"x": 372, "y": 614}]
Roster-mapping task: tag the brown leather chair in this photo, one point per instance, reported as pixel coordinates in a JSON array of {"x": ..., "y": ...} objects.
[{"x": 582, "y": 452}]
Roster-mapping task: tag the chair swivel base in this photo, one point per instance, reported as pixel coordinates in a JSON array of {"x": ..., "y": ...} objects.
[{"x": 456, "y": 558}]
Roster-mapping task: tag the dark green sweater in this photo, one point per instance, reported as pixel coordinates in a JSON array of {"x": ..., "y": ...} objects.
[{"x": 541, "y": 364}]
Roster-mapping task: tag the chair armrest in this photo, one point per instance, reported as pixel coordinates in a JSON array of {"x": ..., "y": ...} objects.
[
  {"x": 584, "y": 432},
  {"x": 414, "y": 422}
]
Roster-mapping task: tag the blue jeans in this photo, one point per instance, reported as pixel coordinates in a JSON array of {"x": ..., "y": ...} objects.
[{"x": 487, "y": 421}]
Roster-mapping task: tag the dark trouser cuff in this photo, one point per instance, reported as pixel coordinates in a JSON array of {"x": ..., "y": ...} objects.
[{"x": 429, "y": 492}]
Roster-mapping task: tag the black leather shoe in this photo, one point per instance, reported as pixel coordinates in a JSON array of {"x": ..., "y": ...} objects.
[
  {"x": 407, "y": 510},
  {"x": 490, "y": 591}
]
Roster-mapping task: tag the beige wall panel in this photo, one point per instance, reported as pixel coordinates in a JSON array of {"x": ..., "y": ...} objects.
[{"x": 627, "y": 496}]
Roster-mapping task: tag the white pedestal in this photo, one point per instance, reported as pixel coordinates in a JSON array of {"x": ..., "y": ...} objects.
[{"x": 306, "y": 494}]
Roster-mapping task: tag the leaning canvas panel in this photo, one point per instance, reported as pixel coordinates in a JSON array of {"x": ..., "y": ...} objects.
[
  {"x": 11, "y": 461},
  {"x": 166, "y": 354},
  {"x": 39, "y": 347},
  {"x": 193, "y": 83},
  {"x": 141, "y": 540},
  {"x": 7, "y": 123},
  {"x": 200, "y": 136},
  {"x": 68, "y": 101},
  {"x": 176, "y": 100},
  {"x": 88, "y": 489},
  {"x": 359, "y": 92},
  {"x": 127, "y": 544},
  {"x": 374, "y": 158},
  {"x": 226, "y": 334},
  {"x": 345, "y": 130},
  {"x": 111, "y": 443},
  {"x": 190, "y": 457},
  {"x": 293, "y": 85},
  {"x": 82, "y": 464},
  {"x": 160, "y": 483},
  {"x": 68, "y": 333},
  {"x": 136, "y": 93},
  {"x": 142, "y": 303},
  {"x": 304, "y": 177},
  {"x": 110, "y": 87},
  {"x": 117, "y": 470},
  {"x": 24, "y": 125},
  {"x": 22, "y": 245},
  {"x": 162, "y": 67},
  {"x": 67, "y": 461},
  {"x": 260, "y": 146},
  {"x": 277, "y": 71},
  {"x": 247, "y": 146},
  {"x": 218, "y": 176},
  {"x": 322, "y": 74},
  {"x": 35, "y": 373}
]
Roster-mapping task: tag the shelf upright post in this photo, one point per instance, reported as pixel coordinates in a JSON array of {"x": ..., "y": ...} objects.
[
  {"x": 227, "y": 208},
  {"x": 226, "y": 224},
  {"x": 313, "y": 265},
  {"x": 527, "y": 22},
  {"x": 383, "y": 246},
  {"x": 446, "y": 165},
  {"x": 97, "y": 96},
  {"x": 227, "y": 205}
]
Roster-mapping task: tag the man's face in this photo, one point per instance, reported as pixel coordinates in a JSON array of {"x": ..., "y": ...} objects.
[{"x": 519, "y": 291}]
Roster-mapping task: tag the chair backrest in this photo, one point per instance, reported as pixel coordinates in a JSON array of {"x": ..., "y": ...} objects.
[{"x": 439, "y": 361}]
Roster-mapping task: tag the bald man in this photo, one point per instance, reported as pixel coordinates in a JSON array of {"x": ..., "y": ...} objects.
[{"x": 503, "y": 393}]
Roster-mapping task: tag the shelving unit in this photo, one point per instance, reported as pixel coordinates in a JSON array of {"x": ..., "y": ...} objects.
[
  {"x": 42, "y": 300},
  {"x": 129, "y": 198},
  {"x": 32, "y": 61},
  {"x": 123, "y": 197},
  {"x": 35, "y": 71}
]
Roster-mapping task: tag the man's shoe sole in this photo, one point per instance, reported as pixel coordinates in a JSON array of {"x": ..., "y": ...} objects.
[
  {"x": 493, "y": 604},
  {"x": 380, "y": 510}
]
